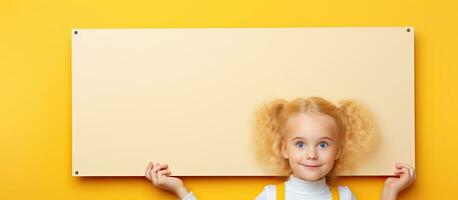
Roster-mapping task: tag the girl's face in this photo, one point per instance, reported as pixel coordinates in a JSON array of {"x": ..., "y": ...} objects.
[{"x": 311, "y": 145}]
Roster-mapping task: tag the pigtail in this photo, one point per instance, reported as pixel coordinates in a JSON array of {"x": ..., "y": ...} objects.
[
  {"x": 358, "y": 134},
  {"x": 268, "y": 135}
]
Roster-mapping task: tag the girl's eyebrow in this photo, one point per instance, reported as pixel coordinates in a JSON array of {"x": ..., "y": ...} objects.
[
  {"x": 297, "y": 138},
  {"x": 326, "y": 138}
]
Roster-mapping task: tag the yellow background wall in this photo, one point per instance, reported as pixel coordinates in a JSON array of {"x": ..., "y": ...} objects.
[{"x": 35, "y": 88}]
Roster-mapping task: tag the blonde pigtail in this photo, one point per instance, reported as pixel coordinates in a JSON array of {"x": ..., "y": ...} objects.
[
  {"x": 359, "y": 133},
  {"x": 268, "y": 135}
]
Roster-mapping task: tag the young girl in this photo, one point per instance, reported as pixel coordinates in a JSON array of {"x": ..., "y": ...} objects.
[{"x": 308, "y": 140}]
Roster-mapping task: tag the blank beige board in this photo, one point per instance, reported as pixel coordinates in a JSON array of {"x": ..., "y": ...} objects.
[{"x": 185, "y": 96}]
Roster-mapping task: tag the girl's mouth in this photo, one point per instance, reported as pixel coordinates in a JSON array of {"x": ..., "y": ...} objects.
[{"x": 312, "y": 166}]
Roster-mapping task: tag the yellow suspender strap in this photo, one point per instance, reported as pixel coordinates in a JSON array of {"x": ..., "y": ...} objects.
[
  {"x": 334, "y": 193},
  {"x": 280, "y": 192}
]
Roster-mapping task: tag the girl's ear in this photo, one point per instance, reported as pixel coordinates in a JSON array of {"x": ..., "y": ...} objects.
[
  {"x": 284, "y": 150},
  {"x": 339, "y": 153}
]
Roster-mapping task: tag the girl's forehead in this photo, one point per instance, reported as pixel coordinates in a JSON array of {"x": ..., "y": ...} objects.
[{"x": 311, "y": 125}]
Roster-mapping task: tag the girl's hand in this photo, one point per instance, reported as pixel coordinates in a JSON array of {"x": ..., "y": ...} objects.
[
  {"x": 159, "y": 175},
  {"x": 394, "y": 185}
]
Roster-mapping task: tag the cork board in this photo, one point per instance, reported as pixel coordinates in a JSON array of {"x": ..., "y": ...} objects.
[{"x": 185, "y": 96}]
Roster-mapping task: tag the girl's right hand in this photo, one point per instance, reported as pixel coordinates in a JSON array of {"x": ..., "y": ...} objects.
[
  {"x": 159, "y": 175},
  {"x": 405, "y": 176}
]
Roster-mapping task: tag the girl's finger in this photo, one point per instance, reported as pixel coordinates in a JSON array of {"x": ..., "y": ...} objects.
[
  {"x": 410, "y": 168},
  {"x": 398, "y": 172},
  {"x": 153, "y": 177},
  {"x": 410, "y": 173},
  {"x": 156, "y": 167},
  {"x": 404, "y": 170},
  {"x": 404, "y": 176},
  {"x": 414, "y": 174},
  {"x": 165, "y": 172},
  {"x": 410, "y": 177},
  {"x": 160, "y": 177},
  {"x": 163, "y": 166},
  {"x": 153, "y": 173},
  {"x": 148, "y": 168},
  {"x": 400, "y": 165},
  {"x": 156, "y": 172}
]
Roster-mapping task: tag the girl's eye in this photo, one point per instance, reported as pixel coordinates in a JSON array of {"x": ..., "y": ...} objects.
[
  {"x": 323, "y": 144},
  {"x": 300, "y": 144}
]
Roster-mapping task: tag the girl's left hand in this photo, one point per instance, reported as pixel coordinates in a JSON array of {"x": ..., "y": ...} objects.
[
  {"x": 159, "y": 175},
  {"x": 405, "y": 176}
]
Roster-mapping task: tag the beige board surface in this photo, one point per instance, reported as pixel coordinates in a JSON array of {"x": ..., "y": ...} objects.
[{"x": 185, "y": 96}]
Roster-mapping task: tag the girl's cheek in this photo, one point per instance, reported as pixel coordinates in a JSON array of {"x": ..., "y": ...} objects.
[
  {"x": 297, "y": 155},
  {"x": 328, "y": 154}
]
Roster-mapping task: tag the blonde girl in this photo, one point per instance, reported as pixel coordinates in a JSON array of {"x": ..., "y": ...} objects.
[{"x": 308, "y": 140}]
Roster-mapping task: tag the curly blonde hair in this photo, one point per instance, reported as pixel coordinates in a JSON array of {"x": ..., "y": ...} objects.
[{"x": 354, "y": 123}]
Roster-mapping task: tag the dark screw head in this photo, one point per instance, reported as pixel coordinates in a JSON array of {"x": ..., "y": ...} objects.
[
  {"x": 76, "y": 172},
  {"x": 408, "y": 30},
  {"x": 75, "y": 32}
]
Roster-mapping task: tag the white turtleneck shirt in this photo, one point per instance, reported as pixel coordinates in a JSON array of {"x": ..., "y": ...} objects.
[{"x": 299, "y": 189}]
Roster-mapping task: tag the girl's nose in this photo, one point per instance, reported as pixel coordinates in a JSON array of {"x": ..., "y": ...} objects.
[{"x": 311, "y": 154}]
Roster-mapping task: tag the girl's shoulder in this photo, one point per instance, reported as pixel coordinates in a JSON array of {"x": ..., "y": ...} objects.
[
  {"x": 267, "y": 193},
  {"x": 345, "y": 193}
]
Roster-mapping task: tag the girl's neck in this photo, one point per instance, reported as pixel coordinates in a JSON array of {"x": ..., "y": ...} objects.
[
  {"x": 305, "y": 186},
  {"x": 322, "y": 179}
]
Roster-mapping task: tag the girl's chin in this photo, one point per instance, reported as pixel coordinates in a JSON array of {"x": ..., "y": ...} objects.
[{"x": 310, "y": 177}]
